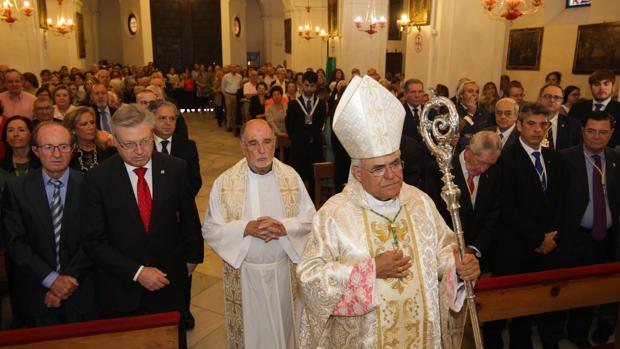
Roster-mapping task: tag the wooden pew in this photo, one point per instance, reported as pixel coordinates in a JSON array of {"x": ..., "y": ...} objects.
[
  {"x": 511, "y": 296},
  {"x": 283, "y": 142},
  {"x": 322, "y": 171},
  {"x": 154, "y": 331}
]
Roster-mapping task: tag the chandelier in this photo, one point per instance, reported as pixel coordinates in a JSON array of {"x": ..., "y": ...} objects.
[
  {"x": 370, "y": 24},
  {"x": 307, "y": 31},
  {"x": 62, "y": 25},
  {"x": 511, "y": 9},
  {"x": 10, "y": 10}
]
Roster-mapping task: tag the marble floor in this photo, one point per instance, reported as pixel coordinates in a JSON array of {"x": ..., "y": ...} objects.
[{"x": 218, "y": 151}]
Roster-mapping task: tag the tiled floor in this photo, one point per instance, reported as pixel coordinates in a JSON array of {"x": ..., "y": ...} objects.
[{"x": 218, "y": 151}]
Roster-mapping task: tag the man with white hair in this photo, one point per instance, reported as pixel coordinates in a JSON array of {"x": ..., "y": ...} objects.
[
  {"x": 506, "y": 114},
  {"x": 476, "y": 119},
  {"x": 381, "y": 265}
]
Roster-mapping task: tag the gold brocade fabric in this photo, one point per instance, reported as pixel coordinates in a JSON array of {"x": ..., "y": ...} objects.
[
  {"x": 413, "y": 312},
  {"x": 232, "y": 204}
]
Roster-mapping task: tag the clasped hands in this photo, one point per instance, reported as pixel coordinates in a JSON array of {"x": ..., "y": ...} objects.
[
  {"x": 548, "y": 244},
  {"x": 265, "y": 228},
  {"x": 393, "y": 264},
  {"x": 62, "y": 288}
]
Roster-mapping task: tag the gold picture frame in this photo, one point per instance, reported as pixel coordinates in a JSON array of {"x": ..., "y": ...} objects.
[
  {"x": 420, "y": 12},
  {"x": 332, "y": 17},
  {"x": 524, "y": 49},
  {"x": 42, "y": 14}
]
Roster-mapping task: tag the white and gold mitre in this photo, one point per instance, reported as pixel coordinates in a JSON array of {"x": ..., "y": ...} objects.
[{"x": 369, "y": 119}]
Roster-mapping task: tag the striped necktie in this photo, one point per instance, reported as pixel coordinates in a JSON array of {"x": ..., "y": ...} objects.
[{"x": 56, "y": 208}]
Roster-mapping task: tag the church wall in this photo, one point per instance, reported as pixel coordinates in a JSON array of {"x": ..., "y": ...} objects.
[
  {"x": 462, "y": 41},
  {"x": 27, "y": 47},
  {"x": 273, "y": 31},
  {"x": 306, "y": 53},
  {"x": 234, "y": 48},
  {"x": 137, "y": 49},
  {"x": 358, "y": 49},
  {"x": 254, "y": 26},
  {"x": 559, "y": 41},
  {"x": 110, "y": 31}
]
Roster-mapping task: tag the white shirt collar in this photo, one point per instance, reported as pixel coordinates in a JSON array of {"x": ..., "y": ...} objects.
[
  {"x": 529, "y": 149},
  {"x": 148, "y": 166},
  {"x": 158, "y": 140},
  {"x": 385, "y": 206},
  {"x": 604, "y": 103}
]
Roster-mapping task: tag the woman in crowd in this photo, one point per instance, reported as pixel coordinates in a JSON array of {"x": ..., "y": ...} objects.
[
  {"x": 336, "y": 76},
  {"x": 19, "y": 158},
  {"x": 257, "y": 102},
  {"x": 490, "y": 91},
  {"x": 89, "y": 150},
  {"x": 276, "y": 111},
  {"x": 291, "y": 91},
  {"x": 571, "y": 96},
  {"x": 43, "y": 91},
  {"x": 555, "y": 77},
  {"x": 31, "y": 83},
  {"x": 189, "y": 90},
  {"x": 62, "y": 102},
  {"x": 218, "y": 98}
]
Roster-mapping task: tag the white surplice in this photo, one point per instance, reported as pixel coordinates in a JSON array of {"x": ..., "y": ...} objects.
[{"x": 265, "y": 274}]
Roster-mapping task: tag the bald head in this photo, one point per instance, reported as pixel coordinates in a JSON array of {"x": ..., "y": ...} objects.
[{"x": 255, "y": 123}]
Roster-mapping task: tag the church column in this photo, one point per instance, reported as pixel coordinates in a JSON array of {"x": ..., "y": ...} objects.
[
  {"x": 234, "y": 48},
  {"x": 273, "y": 29}
]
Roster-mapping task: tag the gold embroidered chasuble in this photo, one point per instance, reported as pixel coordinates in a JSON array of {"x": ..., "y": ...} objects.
[
  {"x": 412, "y": 312},
  {"x": 232, "y": 197}
]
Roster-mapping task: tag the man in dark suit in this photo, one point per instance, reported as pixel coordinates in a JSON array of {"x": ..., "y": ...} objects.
[
  {"x": 304, "y": 124},
  {"x": 146, "y": 96},
  {"x": 532, "y": 192},
  {"x": 168, "y": 143},
  {"x": 144, "y": 245},
  {"x": 564, "y": 132},
  {"x": 506, "y": 114},
  {"x": 601, "y": 85},
  {"x": 476, "y": 118},
  {"x": 51, "y": 277},
  {"x": 477, "y": 176},
  {"x": 414, "y": 95},
  {"x": 99, "y": 98},
  {"x": 589, "y": 231}
]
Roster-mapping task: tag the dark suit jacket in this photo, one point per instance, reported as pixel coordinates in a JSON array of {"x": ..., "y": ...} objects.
[
  {"x": 98, "y": 115},
  {"x": 115, "y": 239},
  {"x": 306, "y": 140},
  {"x": 181, "y": 128},
  {"x": 185, "y": 149},
  {"x": 256, "y": 108},
  {"x": 577, "y": 199},
  {"x": 480, "y": 221},
  {"x": 514, "y": 136},
  {"x": 582, "y": 108},
  {"x": 480, "y": 119},
  {"x": 410, "y": 126},
  {"x": 32, "y": 251},
  {"x": 569, "y": 133},
  {"x": 528, "y": 213}
]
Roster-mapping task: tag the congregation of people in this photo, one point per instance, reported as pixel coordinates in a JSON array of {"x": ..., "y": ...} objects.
[{"x": 539, "y": 176}]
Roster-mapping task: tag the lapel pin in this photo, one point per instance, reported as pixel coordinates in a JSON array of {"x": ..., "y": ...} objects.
[
  {"x": 162, "y": 172},
  {"x": 613, "y": 164}
]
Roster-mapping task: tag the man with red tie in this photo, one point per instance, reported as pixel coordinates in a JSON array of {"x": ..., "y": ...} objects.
[{"x": 141, "y": 225}]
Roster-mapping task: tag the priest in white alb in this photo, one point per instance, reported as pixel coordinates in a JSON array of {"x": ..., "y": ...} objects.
[
  {"x": 380, "y": 269},
  {"x": 258, "y": 221}
]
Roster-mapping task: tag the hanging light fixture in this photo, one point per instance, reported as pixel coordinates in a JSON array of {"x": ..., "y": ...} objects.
[
  {"x": 307, "y": 31},
  {"x": 371, "y": 24},
  {"x": 62, "y": 25},
  {"x": 9, "y": 10},
  {"x": 511, "y": 9}
]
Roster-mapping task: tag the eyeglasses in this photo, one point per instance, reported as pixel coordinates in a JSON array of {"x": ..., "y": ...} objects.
[
  {"x": 503, "y": 112},
  {"x": 552, "y": 97},
  {"x": 49, "y": 149},
  {"x": 379, "y": 170},
  {"x": 593, "y": 132},
  {"x": 133, "y": 145},
  {"x": 253, "y": 144}
]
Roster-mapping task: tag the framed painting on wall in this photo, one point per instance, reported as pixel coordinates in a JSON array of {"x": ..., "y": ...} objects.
[
  {"x": 79, "y": 34},
  {"x": 332, "y": 17},
  {"x": 420, "y": 12},
  {"x": 524, "y": 48},
  {"x": 42, "y": 14},
  {"x": 597, "y": 48},
  {"x": 287, "y": 35}
]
